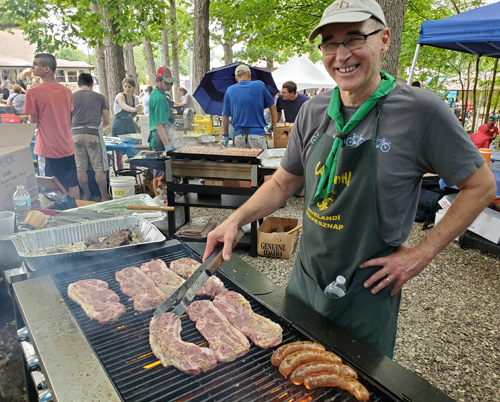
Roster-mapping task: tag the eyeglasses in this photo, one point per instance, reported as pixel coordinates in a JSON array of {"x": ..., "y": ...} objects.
[{"x": 352, "y": 43}]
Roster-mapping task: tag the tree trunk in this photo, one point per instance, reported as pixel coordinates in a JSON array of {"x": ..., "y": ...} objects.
[
  {"x": 228, "y": 52},
  {"x": 270, "y": 64},
  {"x": 130, "y": 65},
  {"x": 175, "y": 50},
  {"x": 394, "y": 11},
  {"x": 201, "y": 46},
  {"x": 101, "y": 62},
  {"x": 115, "y": 62},
  {"x": 490, "y": 96},
  {"x": 150, "y": 59},
  {"x": 164, "y": 42},
  {"x": 466, "y": 100},
  {"x": 476, "y": 78},
  {"x": 101, "y": 71}
]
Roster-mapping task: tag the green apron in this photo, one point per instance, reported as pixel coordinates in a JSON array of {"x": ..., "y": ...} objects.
[
  {"x": 123, "y": 122},
  {"x": 339, "y": 233}
]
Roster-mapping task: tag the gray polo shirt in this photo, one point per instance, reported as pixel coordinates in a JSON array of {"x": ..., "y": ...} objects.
[{"x": 418, "y": 133}]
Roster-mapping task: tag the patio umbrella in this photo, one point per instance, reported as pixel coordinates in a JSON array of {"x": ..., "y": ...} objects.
[{"x": 210, "y": 92}]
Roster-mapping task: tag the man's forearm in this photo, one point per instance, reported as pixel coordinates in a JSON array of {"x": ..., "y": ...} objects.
[
  {"x": 471, "y": 200},
  {"x": 225, "y": 125},
  {"x": 163, "y": 134},
  {"x": 274, "y": 115}
]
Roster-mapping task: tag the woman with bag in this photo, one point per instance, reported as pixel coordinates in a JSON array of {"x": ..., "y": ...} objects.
[{"x": 125, "y": 109}]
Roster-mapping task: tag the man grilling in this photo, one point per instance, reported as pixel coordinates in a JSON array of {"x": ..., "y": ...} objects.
[
  {"x": 244, "y": 102},
  {"x": 363, "y": 149}
]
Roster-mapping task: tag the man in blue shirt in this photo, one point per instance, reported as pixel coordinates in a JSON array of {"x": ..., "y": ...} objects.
[
  {"x": 290, "y": 101},
  {"x": 244, "y": 103}
]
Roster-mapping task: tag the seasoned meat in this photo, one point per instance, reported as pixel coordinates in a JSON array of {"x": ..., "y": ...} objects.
[
  {"x": 167, "y": 345},
  {"x": 141, "y": 288},
  {"x": 98, "y": 302},
  {"x": 58, "y": 250},
  {"x": 165, "y": 279},
  {"x": 91, "y": 241},
  {"x": 226, "y": 341},
  {"x": 186, "y": 266},
  {"x": 120, "y": 238},
  {"x": 260, "y": 330}
]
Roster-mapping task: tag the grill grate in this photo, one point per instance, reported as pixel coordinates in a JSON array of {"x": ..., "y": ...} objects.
[{"x": 123, "y": 349}]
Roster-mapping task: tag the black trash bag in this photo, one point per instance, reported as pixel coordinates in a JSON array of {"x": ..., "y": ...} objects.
[
  {"x": 61, "y": 201},
  {"x": 426, "y": 202}
]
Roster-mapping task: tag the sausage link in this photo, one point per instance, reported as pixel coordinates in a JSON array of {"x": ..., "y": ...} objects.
[
  {"x": 348, "y": 384},
  {"x": 296, "y": 359},
  {"x": 289, "y": 348},
  {"x": 305, "y": 370}
]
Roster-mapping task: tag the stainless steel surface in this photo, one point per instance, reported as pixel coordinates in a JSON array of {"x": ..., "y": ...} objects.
[
  {"x": 28, "y": 243},
  {"x": 211, "y": 170},
  {"x": 271, "y": 158},
  {"x": 119, "y": 207},
  {"x": 70, "y": 366}
]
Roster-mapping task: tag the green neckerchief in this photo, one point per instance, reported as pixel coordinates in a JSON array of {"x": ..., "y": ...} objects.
[{"x": 325, "y": 184}]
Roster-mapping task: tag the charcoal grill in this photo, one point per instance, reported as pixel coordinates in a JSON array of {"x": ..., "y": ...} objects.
[{"x": 137, "y": 375}]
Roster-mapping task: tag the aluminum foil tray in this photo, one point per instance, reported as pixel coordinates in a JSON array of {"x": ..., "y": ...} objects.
[
  {"x": 271, "y": 158},
  {"x": 31, "y": 244}
]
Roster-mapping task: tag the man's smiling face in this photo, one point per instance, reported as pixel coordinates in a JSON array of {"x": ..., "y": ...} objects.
[{"x": 356, "y": 70}]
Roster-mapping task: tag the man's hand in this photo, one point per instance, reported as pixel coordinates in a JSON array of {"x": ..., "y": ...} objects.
[
  {"x": 399, "y": 267},
  {"x": 225, "y": 141},
  {"x": 168, "y": 148},
  {"x": 270, "y": 128},
  {"x": 224, "y": 233}
]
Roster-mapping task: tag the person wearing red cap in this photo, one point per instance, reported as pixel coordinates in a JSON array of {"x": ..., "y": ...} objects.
[
  {"x": 161, "y": 124},
  {"x": 480, "y": 138}
]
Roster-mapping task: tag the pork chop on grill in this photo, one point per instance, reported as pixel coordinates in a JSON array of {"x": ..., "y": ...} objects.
[
  {"x": 165, "y": 279},
  {"x": 141, "y": 288},
  {"x": 226, "y": 341},
  {"x": 167, "y": 345},
  {"x": 98, "y": 302},
  {"x": 260, "y": 330},
  {"x": 120, "y": 238},
  {"x": 186, "y": 266}
]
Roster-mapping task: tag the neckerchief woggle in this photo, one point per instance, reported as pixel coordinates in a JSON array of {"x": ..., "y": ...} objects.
[{"x": 325, "y": 184}]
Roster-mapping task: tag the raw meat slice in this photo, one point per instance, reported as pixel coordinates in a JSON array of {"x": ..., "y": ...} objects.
[
  {"x": 98, "y": 302},
  {"x": 165, "y": 279},
  {"x": 141, "y": 288},
  {"x": 167, "y": 345},
  {"x": 186, "y": 266},
  {"x": 226, "y": 341},
  {"x": 260, "y": 330}
]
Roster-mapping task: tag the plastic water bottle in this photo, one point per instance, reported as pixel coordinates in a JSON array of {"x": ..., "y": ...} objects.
[
  {"x": 22, "y": 205},
  {"x": 337, "y": 288},
  {"x": 492, "y": 146}
]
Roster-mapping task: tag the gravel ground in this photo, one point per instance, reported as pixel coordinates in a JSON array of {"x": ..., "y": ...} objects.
[{"x": 449, "y": 325}]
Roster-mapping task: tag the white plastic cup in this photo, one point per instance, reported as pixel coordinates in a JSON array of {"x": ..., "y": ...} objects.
[{"x": 7, "y": 221}]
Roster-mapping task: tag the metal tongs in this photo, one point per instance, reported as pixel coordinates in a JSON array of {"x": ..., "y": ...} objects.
[{"x": 183, "y": 296}]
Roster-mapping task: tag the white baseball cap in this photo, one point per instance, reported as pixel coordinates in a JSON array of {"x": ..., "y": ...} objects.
[
  {"x": 349, "y": 11},
  {"x": 242, "y": 69}
]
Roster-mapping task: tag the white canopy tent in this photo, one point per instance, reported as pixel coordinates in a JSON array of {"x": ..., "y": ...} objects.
[{"x": 304, "y": 73}]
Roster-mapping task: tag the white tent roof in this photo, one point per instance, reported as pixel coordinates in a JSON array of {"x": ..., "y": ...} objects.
[{"x": 304, "y": 73}]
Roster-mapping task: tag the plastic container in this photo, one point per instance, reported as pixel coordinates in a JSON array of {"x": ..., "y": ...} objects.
[
  {"x": 336, "y": 289},
  {"x": 492, "y": 146},
  {"x": 10, "y": 118},
  {"x": 22, "y": 205},
  {"x": 7, "y": 221},
  {"x": 122, "y": 186},
  {"x": 486, "y": 152}
]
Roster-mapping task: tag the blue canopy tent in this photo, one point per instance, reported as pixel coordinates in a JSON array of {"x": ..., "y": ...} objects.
[{"x": 476, "y": 31}]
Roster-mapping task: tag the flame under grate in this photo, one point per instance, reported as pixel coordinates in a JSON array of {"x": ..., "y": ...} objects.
[{"x": 123, "y": 350}]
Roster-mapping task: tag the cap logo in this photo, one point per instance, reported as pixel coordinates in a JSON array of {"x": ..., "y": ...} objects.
[{"x": 337, "y": 5}]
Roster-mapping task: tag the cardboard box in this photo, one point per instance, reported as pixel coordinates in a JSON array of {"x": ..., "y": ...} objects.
[
  {"x": 237, "y": 183},
  {"x": 281, "y": 134},
  {"x": 16, "y": 162},
  {"x": 486, "y": 225},
  {"x": 271, "y": 239},
  {"x": 214, "y": 182}
]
